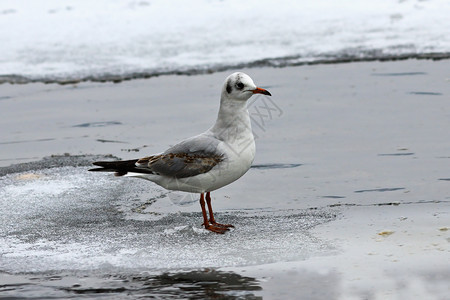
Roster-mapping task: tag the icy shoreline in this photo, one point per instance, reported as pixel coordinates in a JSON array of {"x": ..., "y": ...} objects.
[
  {"x": 348, "y": 198},
  {"x": 281, "y": 62},
  {"x": 72, "y": 41}
]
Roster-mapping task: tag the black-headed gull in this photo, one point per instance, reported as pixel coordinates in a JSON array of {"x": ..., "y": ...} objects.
[{"x": 208, "y": 161}]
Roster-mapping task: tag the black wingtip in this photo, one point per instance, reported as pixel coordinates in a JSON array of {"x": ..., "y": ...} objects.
[
  {"x": 106, "y": 166},
  {"x": 119, "y": 167},
  {"x": 102, "y": 163},
  {"x": 99, "y": 170}
]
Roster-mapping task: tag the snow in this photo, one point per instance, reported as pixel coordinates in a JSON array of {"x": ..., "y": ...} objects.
[{"x": 78, "y": 39}]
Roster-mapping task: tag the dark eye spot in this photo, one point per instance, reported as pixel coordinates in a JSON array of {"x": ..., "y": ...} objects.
[
  {"x": 239, "y": 85},
  {"x": 228, "y": 87}
]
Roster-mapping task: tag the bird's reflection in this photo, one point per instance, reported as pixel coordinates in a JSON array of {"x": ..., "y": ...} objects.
[{"x": 198, "y": 284}]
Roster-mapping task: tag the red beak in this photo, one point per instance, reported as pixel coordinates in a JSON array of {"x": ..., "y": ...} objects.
[{"x": 261, "y": 91}]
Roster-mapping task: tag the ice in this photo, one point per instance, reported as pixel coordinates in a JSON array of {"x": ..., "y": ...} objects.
[
  {"x": 44, "y": 40},
  {"x": 349, "y": 140},
  {"x": 67, "y": 218}
]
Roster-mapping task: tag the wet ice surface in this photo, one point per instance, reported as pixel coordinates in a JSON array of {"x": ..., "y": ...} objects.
[
  {"x": 364, "y": 148},
  {"x": 67, "y": 218},
  {"x": 65, "y": 223}
]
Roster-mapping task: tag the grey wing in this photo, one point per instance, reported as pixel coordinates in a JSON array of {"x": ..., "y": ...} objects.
[
  {"x": 202, "y": 144},
  {"x": 191, "y": 157}
]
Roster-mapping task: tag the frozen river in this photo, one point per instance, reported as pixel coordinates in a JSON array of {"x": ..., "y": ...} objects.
[{"x": 348, "y": 197}]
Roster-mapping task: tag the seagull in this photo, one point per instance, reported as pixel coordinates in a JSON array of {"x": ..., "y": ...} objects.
[{"x": 208, "y": 161}]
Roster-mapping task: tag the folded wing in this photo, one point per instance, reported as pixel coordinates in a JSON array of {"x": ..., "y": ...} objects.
[{"x": 189, "y": 158}]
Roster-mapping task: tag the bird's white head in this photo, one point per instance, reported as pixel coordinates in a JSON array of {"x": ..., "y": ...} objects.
[{"x": 239, "y": 86}]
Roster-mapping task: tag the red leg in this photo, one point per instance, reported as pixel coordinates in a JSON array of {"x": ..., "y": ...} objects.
[
  {"x": 202, "y": 204},
  {"x": 211, "y": 214},
  {"x": 211, "y": 227}
]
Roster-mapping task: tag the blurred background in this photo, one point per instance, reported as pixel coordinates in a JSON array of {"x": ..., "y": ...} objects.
[{"x": 48, "y": 40}]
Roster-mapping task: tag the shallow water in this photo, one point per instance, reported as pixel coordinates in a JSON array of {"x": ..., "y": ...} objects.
[{"x": 202, "y": 284}]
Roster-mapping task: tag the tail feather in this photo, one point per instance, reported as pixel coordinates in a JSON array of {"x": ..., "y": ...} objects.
[{"x": 120, "y": 167}]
